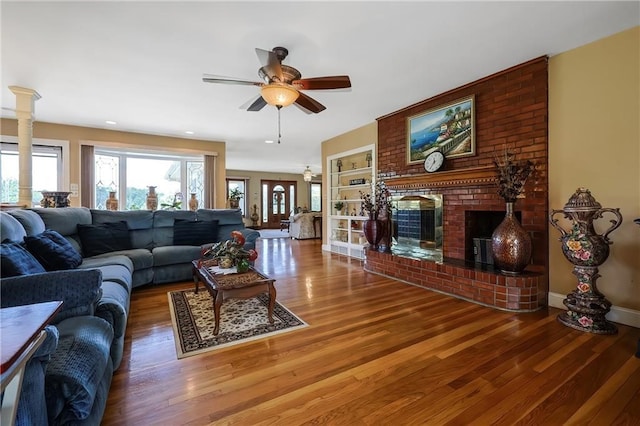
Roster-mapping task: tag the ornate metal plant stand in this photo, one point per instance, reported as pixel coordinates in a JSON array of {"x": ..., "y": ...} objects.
[{"x": 586, "y": 250}]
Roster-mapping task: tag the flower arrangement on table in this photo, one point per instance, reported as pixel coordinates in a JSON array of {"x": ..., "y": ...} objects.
[
  {"x": 231, "y": 253},
  {"x": 376, "y": 201},
  {"x": 512, "y": 175}
]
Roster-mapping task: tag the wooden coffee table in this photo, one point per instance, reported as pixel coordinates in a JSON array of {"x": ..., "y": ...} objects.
[{"x": 232, "y": 286}]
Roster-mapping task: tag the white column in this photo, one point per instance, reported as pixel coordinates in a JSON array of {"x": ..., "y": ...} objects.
[{"x": 25, "y": 100}]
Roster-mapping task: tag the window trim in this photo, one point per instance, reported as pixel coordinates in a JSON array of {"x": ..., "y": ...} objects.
[
  {"x": 165, "y": 155},
  {"x": 243, "y": 206},
  {"x": 66, "y": 167}
]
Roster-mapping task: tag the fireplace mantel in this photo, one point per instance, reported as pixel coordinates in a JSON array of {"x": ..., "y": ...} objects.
[{"x": 484, "y": 175}]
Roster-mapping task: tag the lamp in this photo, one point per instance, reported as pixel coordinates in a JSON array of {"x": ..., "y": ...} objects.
[
  {"x": 277, "y": 94},
  {"x": 307, "y": 175}
]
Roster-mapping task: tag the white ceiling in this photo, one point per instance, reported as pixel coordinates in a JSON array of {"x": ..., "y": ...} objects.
[{"x": 141, "y": 63}]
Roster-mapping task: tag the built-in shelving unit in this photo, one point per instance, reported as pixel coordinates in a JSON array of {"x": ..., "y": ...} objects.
[{"x": 350, "y": 173}]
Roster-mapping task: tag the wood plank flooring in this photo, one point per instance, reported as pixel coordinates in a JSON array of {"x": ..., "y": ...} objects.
[{"x": 376, "y": 352}]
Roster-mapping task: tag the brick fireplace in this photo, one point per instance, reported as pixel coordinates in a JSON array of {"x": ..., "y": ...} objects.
[{"x": 510, "y": 111}]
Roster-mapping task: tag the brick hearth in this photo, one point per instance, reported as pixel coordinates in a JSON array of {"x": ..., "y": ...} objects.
[{"x": 511, "y": 111}]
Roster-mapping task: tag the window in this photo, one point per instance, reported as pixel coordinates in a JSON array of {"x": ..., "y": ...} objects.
[
  {"x": 130, "y": 174},
  {"x": 46, "y": 169},
  {"x": 241, "y": 186},
  {"x": 316, "y": 197}
]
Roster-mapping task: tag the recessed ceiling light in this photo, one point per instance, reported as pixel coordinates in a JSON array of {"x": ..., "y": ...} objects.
[
  {"x": 189, "y": 132},
  {"x": 110, "y": 122},
  {"x": 268, "y": 141}
]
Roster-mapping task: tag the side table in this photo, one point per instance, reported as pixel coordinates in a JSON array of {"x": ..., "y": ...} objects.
[{"x": 21, "y": 334}]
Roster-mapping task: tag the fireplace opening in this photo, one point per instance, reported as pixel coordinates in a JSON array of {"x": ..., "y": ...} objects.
[
  {"x": 417, "y": 226},
  {"x": 479, "y": 225}
]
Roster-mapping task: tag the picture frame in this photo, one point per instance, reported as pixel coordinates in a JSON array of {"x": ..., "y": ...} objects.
[{"x": 449, "y": 128}]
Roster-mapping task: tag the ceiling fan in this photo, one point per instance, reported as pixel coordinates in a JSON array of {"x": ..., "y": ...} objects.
[{"x": 283, "y": 84}]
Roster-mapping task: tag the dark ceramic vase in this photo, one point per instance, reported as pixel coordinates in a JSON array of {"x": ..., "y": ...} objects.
[
  {"x": 511, "y": 245},
  {"x": 373, "y": 232}
]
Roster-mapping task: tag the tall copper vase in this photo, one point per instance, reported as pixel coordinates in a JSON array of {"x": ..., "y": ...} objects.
[{"x": 511, "y": 245}]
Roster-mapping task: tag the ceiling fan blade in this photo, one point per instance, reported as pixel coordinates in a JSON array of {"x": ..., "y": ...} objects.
[
  {"x": 309, "y": 104},
  {"x": 208, "y": 78},
  {"x": 271, "y": 64},
  {"x": 323, "y": 83},
  {"x": 257, "y": 104}
]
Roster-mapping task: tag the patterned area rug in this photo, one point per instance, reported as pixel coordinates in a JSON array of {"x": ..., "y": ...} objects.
[{"x": 241, "y": 320}]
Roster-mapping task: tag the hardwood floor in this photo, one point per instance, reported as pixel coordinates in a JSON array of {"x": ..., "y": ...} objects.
[{"x": 376, "y": 351}]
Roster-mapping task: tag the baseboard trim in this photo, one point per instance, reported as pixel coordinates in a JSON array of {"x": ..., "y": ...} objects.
[{"x": 617, "y": 314}]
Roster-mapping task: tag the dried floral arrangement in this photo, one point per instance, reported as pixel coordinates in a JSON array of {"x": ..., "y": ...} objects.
[
  {"x": 512, "y": 175},
  {"x": 376, "y": 201}
]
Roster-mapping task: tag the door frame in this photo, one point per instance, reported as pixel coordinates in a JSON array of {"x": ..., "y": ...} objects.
[{"x": 274, "y": 219}]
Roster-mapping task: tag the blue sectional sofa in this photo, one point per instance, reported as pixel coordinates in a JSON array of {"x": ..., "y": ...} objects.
[{"x": 94, "y": 261}]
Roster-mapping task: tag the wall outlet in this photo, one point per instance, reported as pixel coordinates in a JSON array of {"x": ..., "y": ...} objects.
[{"x": 74, "y": 190}]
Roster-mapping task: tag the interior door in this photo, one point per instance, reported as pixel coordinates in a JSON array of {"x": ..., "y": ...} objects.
[{"x": 278, "y": 200}]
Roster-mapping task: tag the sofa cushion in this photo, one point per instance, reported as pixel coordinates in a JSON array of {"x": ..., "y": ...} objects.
[
  {"x": 16, "y": 260},
  {"x": 194, "y": 233},
  {"x": 172, "y": 255},
  {"x": 53, "y": 251},
  {"x": 77, "y": 367},
  {"x": 66, "y": 220},
  {"x": 139, "y": 222},
  {"x": 104, "y": 238},
  {"x": 104, "y": 260},
  {"x": 30, "y": 220},
  {"x": 10, "y": 228},
  {"x": 140, "y": 258},
  {"x": 228, "y": 220},
  {"x": 163, "y": 221}
]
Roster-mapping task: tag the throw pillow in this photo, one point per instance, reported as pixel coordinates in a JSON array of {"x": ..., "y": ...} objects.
[
  {"x": 53, "y": 251},
  {"x": 194, "y": 233},
  {"x": 16, "y": 260},
  {"x": 104, "y": 238}
]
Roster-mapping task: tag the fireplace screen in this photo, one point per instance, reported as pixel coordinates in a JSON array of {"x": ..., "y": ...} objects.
[{"x": 417, "y": 223}]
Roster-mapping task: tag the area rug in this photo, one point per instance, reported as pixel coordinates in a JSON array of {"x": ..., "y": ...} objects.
[
  {"x": 241, "y": 320},
  {"x": 267, "y": 234}
]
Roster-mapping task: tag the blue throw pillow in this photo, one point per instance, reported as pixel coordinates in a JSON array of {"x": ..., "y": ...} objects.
[
  {"x": 53, "y": 251},
  {"x": 104, "y": 238},
  {"x": 16, "y": 260},
  {"x": 194, "y": 233}
]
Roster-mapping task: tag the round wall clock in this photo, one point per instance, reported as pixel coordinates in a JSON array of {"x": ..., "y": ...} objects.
[{"x": 434, "y": 161}]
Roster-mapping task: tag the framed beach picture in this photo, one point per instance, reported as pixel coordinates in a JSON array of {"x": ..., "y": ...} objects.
[{"x": 449, "y": 128}]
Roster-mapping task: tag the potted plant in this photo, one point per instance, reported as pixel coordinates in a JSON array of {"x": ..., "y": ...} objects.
[
  {"x": 234, "y": 197},
  {"x": 339, "y": 205}
]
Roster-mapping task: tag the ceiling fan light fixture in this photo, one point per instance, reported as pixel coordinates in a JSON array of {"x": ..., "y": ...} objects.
[{"x": 279, "y": 94}]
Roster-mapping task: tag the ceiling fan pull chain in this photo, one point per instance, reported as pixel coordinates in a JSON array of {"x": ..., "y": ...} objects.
[{"x": 279, "y": 132}]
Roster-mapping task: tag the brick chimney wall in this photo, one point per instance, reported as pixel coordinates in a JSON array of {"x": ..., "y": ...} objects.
[{"x": 511, "y": 110}]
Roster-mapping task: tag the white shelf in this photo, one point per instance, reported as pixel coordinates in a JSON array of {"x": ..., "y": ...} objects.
[
  {"x": 351, "y": 172},
  {"x": 358, "y": 186},
  {"x": 345, "y": 231}
]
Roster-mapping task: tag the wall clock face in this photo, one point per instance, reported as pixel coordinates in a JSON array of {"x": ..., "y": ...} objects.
[{"x": 434, "y": 161}]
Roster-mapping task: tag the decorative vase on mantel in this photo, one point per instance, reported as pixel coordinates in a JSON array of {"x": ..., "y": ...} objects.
[
  {"x": 586, "y": 250},
  {"x": 152, "y": 198},
  {"x": 511, "y": 244},
  {"x": 112, "y": 201}
]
